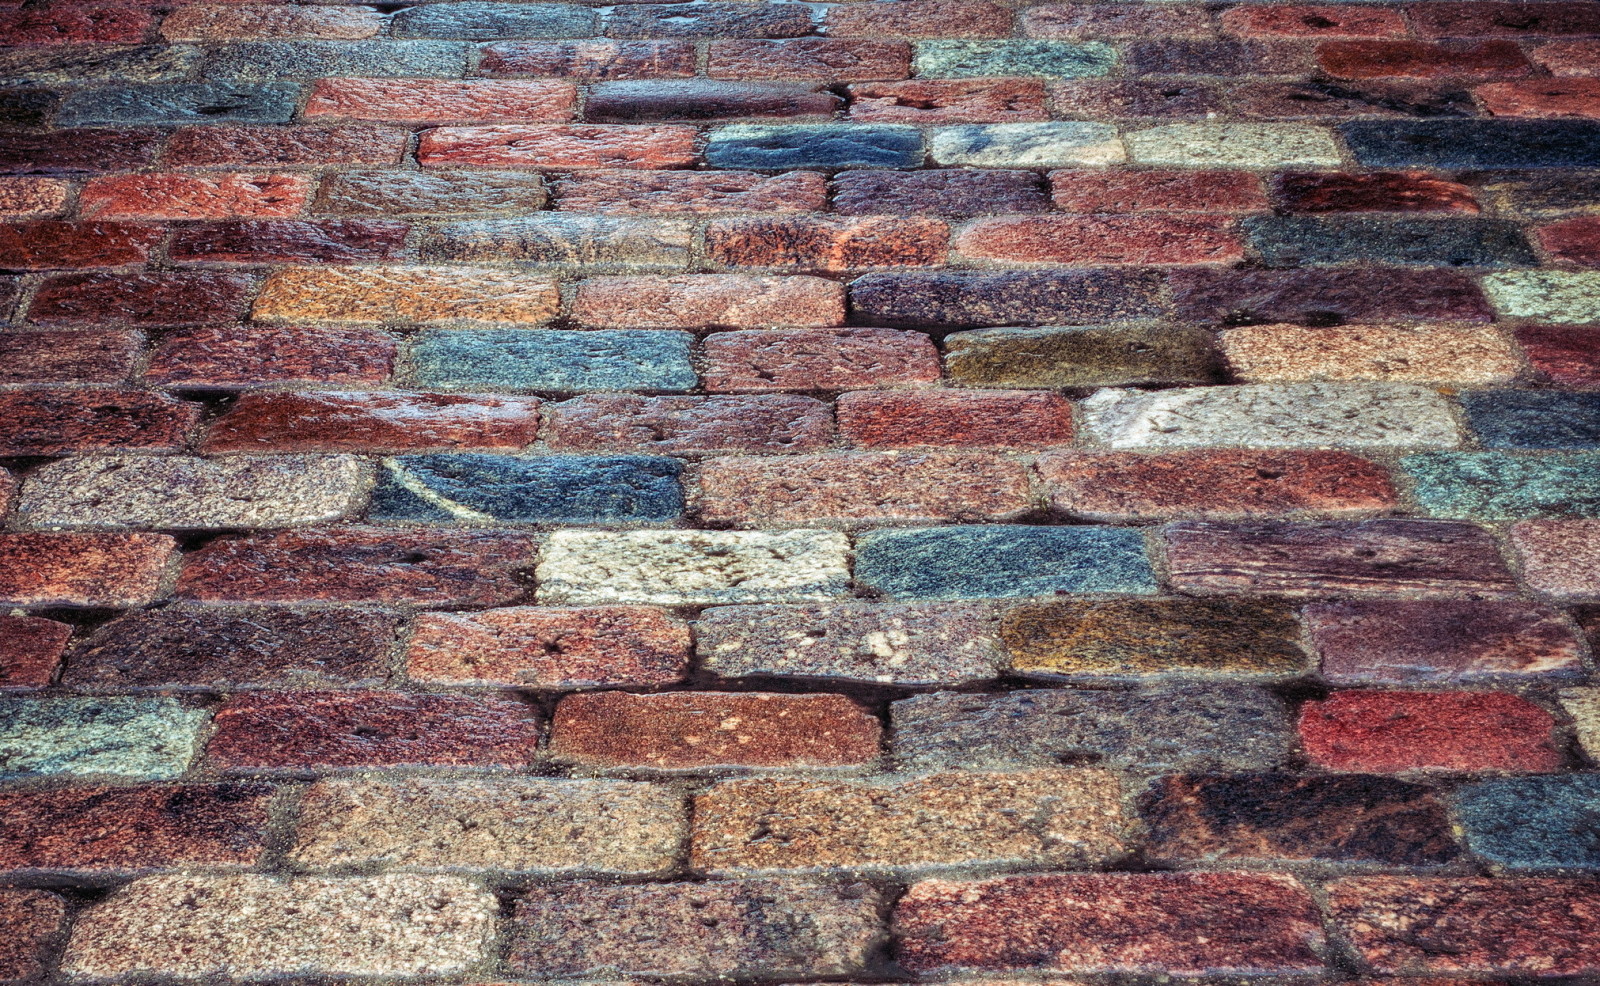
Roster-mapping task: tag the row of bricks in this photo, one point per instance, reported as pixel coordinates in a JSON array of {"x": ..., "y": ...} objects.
[
  {"x": 1185, "y": 924},
  {"x": 484, "y": 567}
]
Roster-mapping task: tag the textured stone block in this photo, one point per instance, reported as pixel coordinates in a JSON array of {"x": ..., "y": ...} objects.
[
  {"x": 693, "y": 301},
  {"x": 549, "y": 648},
  {"x": 1420, "y": 354},
  {"x": 153, "y": 298},
  {"x": 949, "y": 101},
  {"x": 34, "y": 918},
  {"x": 147, "y": 738},
  {"x": 825, "y": 146},
  {"x": 103, "y": 570},
  {"x": 30, "y": 650},
  {"x": 1199, "y": 239},
  {"x": 76, "y": 153},
  {"x": 1474, "y": 143},
  {"x": 818, "y": 359},
  {"x": 1234, "y": 145},
  {"x": 60, "y": 422},
  {"x": 441, "y": 101},
  {"x": 512, "y": 361},
  {"x": 272, "y": 60},
  {"x": 827, "y": 244},
  {"x": 1505, "y": 486},
  {"x": 680, "y": 568},
  {"x": 366, "y": 421},
  {"x": 691, "y": 425},
  {"x": 475, "y": 21},
  {"x": 1027, "y": 145},
  {"x": 710, "y": 20},
  {"x": 1439, "y": 640},
  {"x": 960, "y": 419},
  {"x": 1539, "y": 419},
  {"x": 1381, "y": 191},
  {"x": 55, "y": 65},
  {"x": 1455, "y": 731},
  {"x": 388, "y": 193},
  {"x": 629, "y": 192},
  {"x": 89, "y": 356},
  {"x": 554, "y": 489},
  {"x": 1217, "y": 192},
  {"x": 236, "y": 357},
  {"x": 179, "y": 103},
  {"x": 958, "y": 192},
  {"x": 216, "y": 22},
  {"x": 50, "y": 245},
  {"x": 1567, "y": 356},
  {"x": 557, "y": 146},
  {"x": 1327, "y": 297},
  {"x": 809, "y": 60},
  {"x": 407, "y": 294},
  {"x": 593, "y": 59},
  {"x": 1295, "y": 240},
  {"x": 556, "y": 238},
  {"x": 1078, "y": 356},
  {"x": 174, "y": 195},
  {"x": 968, "y": 298},
  {"x": 1533, "y": 823},
  {"x": 920, "y": 19},
  {"x": 1561, "y": 558},
  {"x": 982, "y": 562},
  {"x": 1054, "y": 59},
  {"x": 270, "y": 241}
]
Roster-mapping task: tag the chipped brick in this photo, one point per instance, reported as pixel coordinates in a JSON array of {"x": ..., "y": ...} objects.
[{"x": 549, "y": 648}]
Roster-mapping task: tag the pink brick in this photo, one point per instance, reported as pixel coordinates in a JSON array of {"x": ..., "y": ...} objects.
[
  {"x": 157, "y": 195},
  {"x": 601, "y": 646},
  {"x": 1560, "y": 557},
  {"x": 818, "y": 359},
  {"x": 699, "y": 300},
  {"x": 442, "y": 101},
  {"x": 1102, "y": 240},
  {"x": 84, "y": 569},
  {"x": 1313, "y": 21},
  {"x": 955, "y": 418},
  {"x": 558, "y": 147}
]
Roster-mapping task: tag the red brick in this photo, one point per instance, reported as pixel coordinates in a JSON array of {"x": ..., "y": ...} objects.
[
  {"x": 601, "y": 646},
  {"x": 850, "y": 487},
  {"x": 27, "y": 198},
  {"x": 1313, "y": 21},
  {"x": 1201, "y": 239},
  {"x": 1185, "y": 924},
  {"x": 591, "y": 59},
  {"x": 146, "y": 298},
  {"x": 30, "y": 650},
  {"x": 1569, "y": 58},
  {"x": 364, "y": 565},
  {"x": 68, "y": 357},
  {"x": 955, "y": 418},
  {"x": 1567, "y": 356},
  {"x": 84, "y": 569},
  {"x": 626, "y": 192},
  {"x": 949, "y": 101},
  {"x": 323, "y": 730},
  {"x": 1559, "y": 557},
  {"x": 699, "y": 300},
  {"x": 827, "y": 243},
  {"x": 1574, "y": 240},
  {"x": 690, "y": 425},
  {"x": 54, "y": 245},
  {"x": 1116, "y": 486},
  {"x": 1382, "y": 732},
  {"x": 60, "y": 422},
  {"x": 442, "y": 101},
  {"x": 73, "y": 152},
  {"x": 1446, "y": 640},
  {"x": 1513, "y": 19},
  {"x": 1539, "y": 927},
  {"x": 1157, "y": 191},
  {"x": 158, "y": 195},
  {"x": 68, "y": 23},
  {"x": 280, "y": 241},
  {"x": 1421, "y": 60},
  {"x": 558, "y": 147},
  {"x": 1542, "y": 98},
  {"x": 919, "y": 19},
  {"x": 256, "y": 147},
  {"x": 33, "y": 920},
  {"x": 681, "y": 730},
  {"x": 257, "y": 355},
  {"x": 1378, "y": 191},
  {"x": 1073, "y": 21},
  {"x": 818, "y": 359},
  {"x": 206, "y": 22},
  {"x": 384, "y": 421},
  {"x": 133, "y": 829},
  {"x": 809, "y": 60}
]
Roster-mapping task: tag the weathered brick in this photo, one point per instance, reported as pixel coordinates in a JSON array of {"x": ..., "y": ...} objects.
[
  {"x": 229, "y": 358},
  {"x": 1560, "y": 558},
  {"x": 1582, "y": 706},
  {"x": 827, "y": 244},
  {"x": 550, "y": 648},
  {"x": 59, "y": 422},
  {"x": 30, "y": 198},
  {"x": 1382, "y": 191},
  {"x": 818, "y": 359},
  {"x": 809, "y": 60},
  {"x": 1564, "y": 297},
  {"x": 1183, "y": 57},
  {"x": 595, "y": 59},
  {"x": 209, "y": 22},
  {"x": 1053, "y": 59},
  {"x": 693, "y": 100},
  {"x": 564, "y": 238},
  {"x": 266, "y": 241},
  {"x": 1473, "y": 143},
  {"x": 1027, "y": 145},
  {"x": 827, "y": 146},
  {"x": 1544, "y": 419},
  {"x": 53, "y": 245},
  {"x": 177, "y": 103},
  {"x": 1503, "y": 19},
  {"x": 919, "y": 19},
  {"x": 1220, "y": 192},
  {"x": 1532, "y": 823},
  {"x": 251, "y": 60},
  {"x": 1103, "y": 99},
  {"x": 30, "y": 650},
  {"x": 547, "y": 489},
  {"x": 949, "y": 101},
  {"x": 947, "y": 192},
  {"x": 74, "y": 24},
  {"x": 692, "y": 301},
  {"x": 559, "y": 147},
  {"x": 1575, "y": 240},
  {"x": 1077, "y": 21},
  {"x": 1410, "y": 354},
  {"x": 35, "y": 918},
  {"x": 1313, "y": 21},
  {"x": 624, "y": 192},
  {"x": 954, "y": 418},
  {"x": 1439, "y": 640},
  {"x": 1143, "y": 240},
  {"x": 976, "y": 562},
  {"x": 691, "y": 425},
  {"x": 147, "y": 298},
  {"x": 1234, "y": 145},
  {"x": 1541, "y": 98},
  {"x": 388, "y": 193},
  {"x": 338, "y": 421},
  {"x": 691, "y": 730},
  {"x": 1567, "y": 58},
  {"x": 709, "y": 20},
  {"x": 407, "y": 294},
  {"x": 84, "y": 569},
  {"x": 90, "y": 356},
  {"x": 169, "y": 195},
  {"x": 1569, "y": 357},
  {"x": 479, "y": 21},
  {"x": 257, "y": 147},
  {"x": 1398, "y": 731},
  {"x": 56, "y": 65},
  {"x": 1538, "y": 193},
  {"x": 1462, "y": 242},
  {"x": 441, "y": 101},
  {"x": 1078, "y": 357},
  {"x": 1327, "y": 297},
  {"x": 966, "y": 298},
  {"x": 1422, "y": 60},
  {"x": 150, "y": 738},
  {"x": 512, "y": 360},
  {"x": 1504, "y": 485},
  {"x": 69, "y": 152}
]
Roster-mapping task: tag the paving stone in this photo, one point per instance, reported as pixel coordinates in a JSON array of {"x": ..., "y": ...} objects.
[
  {"x": 628, "y": 192},
  {"x": 1474, "y": 143},
  {"x": 1217, "y": 192},
  {"x": 266, "y": 241},
  {"x": 1078, "y": 356},
  {"x": 147, "y": 738},
  {"x": 899, "y": 643},
  {"x": 830, "y": 147},
  {"x": 1561, "y": 558},
  {"x": 691, "y": 100},
  {"x": 1295, "y": 240},
  {"x": 80, "y": 64},
  {"x": 691, "y": 425},
  {"x": 228, "y": 358},
  {"x": 1233, "y": 145},
  {"x": 951, "y": 192},
  {"x": 1348, "y": 818},
  {"x": 442, "y": 101},
  {"x": 525, "y": 825},
  {"x": 693, "y": 301},
  {"x": 1055, "y": 59},
  {"x": 549, "y": 648},
  {"x": 493, "y": 21},
  {"x": 216, "y": 146},
  {"x": 29, "y": 198},
  {"x": 593, "y": 59},
  {"x": 35, "y": 918},
  {"x": 1027, "y": 145},
  {"x": 1582, "y": 706},
  {"x": 1383, "y": 191},
  {"x": 182, "y": 196},
  {"x": 1199, "y": 239},
  {"x": 50, "y": 245},
  {"x": 1327, "y": 297},
  {"x": 1151, "y": 637},
  {"x": 1534, "y": 419},
  {"x": 59, "y": 422},
  {"x": 968, "y": 298},
  {"x": 1031, "y": 818},
  {"x": 512, "y": 361},
  {"x": 827, "y": 244},
  {"x": 952, "y": 418},
  {"x": 406, "y": 294},
  {"x": 709, "y": 20},
  {"x": 808, "y": 60},
  {"x": 919, "y": 19},
  {"x": 270, "y": 60},
  {"x": 30, "y": 650},
  {"x": 949, "y": 101},
  {"x": 691, "y": 730},
  {"x": 179, "y": 103},
  {"x": 1505, "y": 486},
  {"x": 1455, "y": 731},
  {"x": 683, "y": 568},
  {"x": 555, "y": 238},
  {"x": 210, "y": 22},
  {"x": 356, "y": 421},
  {"x": 1566, "y": 356},
  {"x": 390, "y": 193},
  {"x": 982, "y": 562},
  {"x": 90, "y": 356},
  {"x": 557, "y": 146},
  {"x": 818, "y": 359},
  {"x": 764, "y": 928},
  {"x": 1523, "y": 823},
  {"x": 1400, "y": 354},
  {"x": 250, "y": 926},
  {"x": 1184, "y": 924},
  {"x": 555, "y": 489},
  {"x": 154, "y": 298},
  {"x": 102, "y": 570},
  {"x": 1446, "y": 641},
  {"x": 76, "y": 153}
]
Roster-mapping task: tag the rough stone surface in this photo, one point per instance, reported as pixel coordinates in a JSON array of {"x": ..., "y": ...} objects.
[
  {"x": 34, "y": 918},
  {"x": 959, "y": 419},
  {"x": 1561, "y": 558},
  {"x": 556, "y": 489},
  {"x": 977, "y": 562},
  {"x": 1534, "y": 419},
  {"x": 691, "y": 425},
  {"x": 30, "y": 649},
  {"x": 549, "y": 648},
  {"x": 1398, "y": 731},
  {"x": 968, "y": 298},
  {"x": 1233, "y": 145},
  {"x": 818, "y": 359},
  {"x": 1582, "y": 706},
  {"x": 1027, "y": 145},
  {"x": 692, "y": 567},
  {"x": 340, "y": 421},
  {"x": 147, "y": 738},
  {"x": 235, "y": 357},
  {"x": 1533, "y": 823},
  {"x": 1053, "y": 59},
  {"x": 92, "y": 356},
  {"x": 557, "y": 360},
  {"x": 1285, "y": 353},
  {"x": 1504, "y": 485},
  {"x": 557, "y": 238},
  {"x": 629, "y": 192},
  {"x": 406, "y": 294},
  {"x": 59, "y": 422},
  {"x": 84, "y": 569},
  {"x": 1078, "y": 357},
  {"x": 694, "y": 301},
  {"x": 1439, "y": 640}
]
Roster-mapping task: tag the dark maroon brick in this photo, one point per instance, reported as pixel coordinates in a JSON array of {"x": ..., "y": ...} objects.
[
  {"x": 1512, "y": 19},
  {"x": 818, "y": 359},
  {"x": 132, "y": 829},
  {"x": 269, "y": 241},
  {"x": 1170, "y": 56},
  {"x": 84, "y": 569},
  {"x": 213, "y": 147},
  {"x": 364, "y": 565},
  {"x": 1440, "y": 640},
  {"x": 234, "y": 357},
  {"x": 1456, "y": 731},
  {"x": 68, "y": 357},
  {"x": 1326, "y": 297},
  {"x": 53, "y": 245},
  {"x": 33, "y": 920},
  {"x": 704, "y": 99},
  {"x": 68, "y": 23},
  {"x": 691, "y": 425},
  {"x": 30, "y": 649},
  {"x": 1576, "y": 241},
  {"x": 591, "y": 59},
  {"x": 1317, "y": 98},
  {"x": 1382, "y": 191},
  {"x": 954, "y": 192},
  {"x": 383, "y": 421},
  {"x": 1115, "y": 99},
  {"x": 323, "y": 730},
  {"x": 148, "y": 298},
  {"x": 1567, "y": 356},
  {"x": 978, "y": 298},
  {"x": 58, "y": 422},
  {"x": 206, "y": 648},
  {"x": 1422, "y": 60},
  {"x": 918, "y": 19},
  {"x": 1157, "y": 191},
  {"x": 77, "y": 152}
]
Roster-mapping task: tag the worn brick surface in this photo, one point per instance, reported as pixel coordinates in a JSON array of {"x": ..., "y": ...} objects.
[
  {"x": 1439, "y": 640},
  {"x": 1396, "y": 731},
  {"x": 549, "y": 648},
  {"x": 355, "y": 420},
  {"x": 31, "y": 650},
  {"x": 35, "y": 917},
  {"x": 84, "y": 569},
  {"x": 258, "y": 355}
]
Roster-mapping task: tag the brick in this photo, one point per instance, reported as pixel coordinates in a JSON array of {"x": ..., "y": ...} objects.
[
  {"x": 984, "y": 562},
  {"x": 1078, "y": 357},
  {"x": 1534, "y": 418},
  {"x": 1567, "y": 58},
  {"x": 1075, "y": 21},
  {"x": 827, "y": 244},
  {"x": 709, "y": 20},
  {"x": 1540, "y": 192},
  {"x": 1219, "y": 192},
  {"x": 965, "y": 298},
  {"x": 147, "y": 298},
  {"x": 120, "y": 64},
  {"x": 1582, "y": 706},
  {"x": 275, "y": 731},
  {"x": 564, "y": 238},
  {"x": 251, "y": 60},
  {"x": 1319, "y": 100},
  {"x": 626, "y": 192},
  {"x": 552, "y": 360},
  {"x": 1575, "y": 240},
  {"x": 441, "y": 101},
  {"x": 129, "y": 490},
  {"x": 1142, "y": 240},
  {"x": 1532, "y": 823},
  {"x": 595, "y": 59},
  {"x": 900, "y": 643},
  {"x": 30, "y": 198},
  {"x": 338, "y": 421},
  {"x": 537, "y": 825},
  {"x": 950, "y": 192},
  {"x": 207, "y": 22},
  {"x": 949, "y": 101},
  {"x": 1398, "y": 731},
  {"x": 1439, "y": 640},
  {"x": 1326, "y": 297},
  {"x": 1383, "y": 191},
  {"x": 550, "y": 489},
  {"x": 1504, "y": 486},
  {"x": 1421, "y": 60},
  {"x": 1568, "y": 357},
  {"x": 35, "y": 918},
  {"x": 935, "y": 822},
  {"x": 693, "y": 301},
  {"x": 177, "y": 103},
  {"x": 149, "y": 738},
  {"x": 1468, "y": 924},
  {"x": 1233, "y": 145},
  {"x": 827, "y": 146},
  {"x": 558, "y": 147},
  {"x": 73, "y": 24},
  {"x": 1226, "y": 728},
  {"x": 1542, "y": 98},
  {"x": 28, "y": 107},
  {"x": 1103, "y": 99},
  {"x": 76, "y": 153},
  {"x": 859, "y": 487},
  {"x": 1214, "y": 57},
  {"x": 389, "y": 193},
  {"x": 1503, "y": 19},
  {"x": 52, "y": 245},
  {"x": 919, "y": 19},
  {"x": 1563, "y": 297},
  {"x": 491, "y": 21},
  {"x": 1313, "y": 21},
  {"x": 1348, "y": 818},
  {"x": 91, "y": 356},
  {"x": 960, "y": 419},
  {"x": 1297, "y": 240},
  {"x": 1171, "y": 923},
  {"x": 1473, "y": 143},
  {"x": 181, "y": 196},
  {"x": 686, "y": 568},
  {"x": 201, "y": 648},
  {"x": 762, "y": 928},
  {"x": 818, "y": 359},
  {"x": 1027, "y": 145},
  {"x": 407, "y": 294},
  {"x": 1152, "y": 636},
  {"x": 134, "y": 829},
  {"x": 256, "y": 147},
  {"x": 59, "y": 422},
  {"x": 1419, "y": 354},
  {"x": 692, "y": 730},
  {"x": 1559, "y": 558},
  {"x": 266, "y": 241},
  {"x": 30, "y": 651},
  {"x": 1053, "y": 59},
  {"x": 259, "y": 926},
  {"x": 693, "y": 100},
  {"x": 230, "y": 358},
  {"x": 84, "y": 569},
  {"x": 809, "y": 60},
  {"x": 1220, "y": 484},
  {"x": 1366, "y": 557},
  {"x": 363, "y": 565},
  {"x": 691, "y": 425},
  {"x": 550, "y": 648}
]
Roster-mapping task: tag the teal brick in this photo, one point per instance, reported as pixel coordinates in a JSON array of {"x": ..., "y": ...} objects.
[
  {"x": 979, "y": 59},
  {"x": 1533, "y": 822},
  {"x": 1504, "y": 485},
  {"x": 150, "y": 738},
  {"x": 972, "y": 562}
]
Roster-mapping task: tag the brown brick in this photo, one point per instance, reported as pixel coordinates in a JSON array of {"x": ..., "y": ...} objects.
[
  {"x": 809, "y": 59},
  {"x": 1568, "y": 58},
  {"x": 690, "y": 192},
  {"x": 818, "y": 359},
  {"x": 260, "y": 147},
  {"x": 691, "y": 425},
  {"x": 146, "y": 298},
  {"x": 687, "y": 730},
  {"x": 91, "y": 356},
  {"x": 1184, "y": 924},
  {"x": 84, "y": 569},
  {"x": 1157, "y": 191},
  {"x": 390, "y": 193},
  {"x": 919, "y": 19},
  {"x": 1102, "y": 240},
  {"x": 279, "y": 241},
  {"x": 1135, "y": 99},
  {"x": 30, "y": 650},
  {"x": 558, "y": 147},
  {"x": 1421, "y": 60},
  {"x": 258, "y": 355},
  {"x": 32, "y": 198},
  {"x": 1077, "y": 21},
  {"x": 1567, "y": 356},
  {"x": 700, "y": 100},
  {"x": 362, "y": 565},
  {"x": 594, "y": 59},
  {"x": 1559, "y": 557},
  {"x": 949, "y": 101},
  {"x": 1542, "y": 98},
  {"x": 1313, "y": 21},
  {"x": 955, "y": 418},
  {"x": 133, "y": 829},
  {"x": 1457, "y": 731},
  {"x": 323, "y": 730},
  {"x": 407, "y": 294},
  {"x": 52, "y": 245},
  {"x": 207, "y": 22},
  {"x": 76, "y": 152},
  {"x": 600, "y": 646},
  {"x": 1574, "y": 240},
  {"x": 33, "y": 919},
  {"x": 698, "y": 300},
  {"x": 442, "y": 100},
  {"x": 1442, "y": 640},
  {"x": 827, "y": 243},
  {"x": 1380, "y": 191},
  {"x": 59, "y": 422},
  {"x": 157, "y": 195},
  {"x": 337, "y": 421}
]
